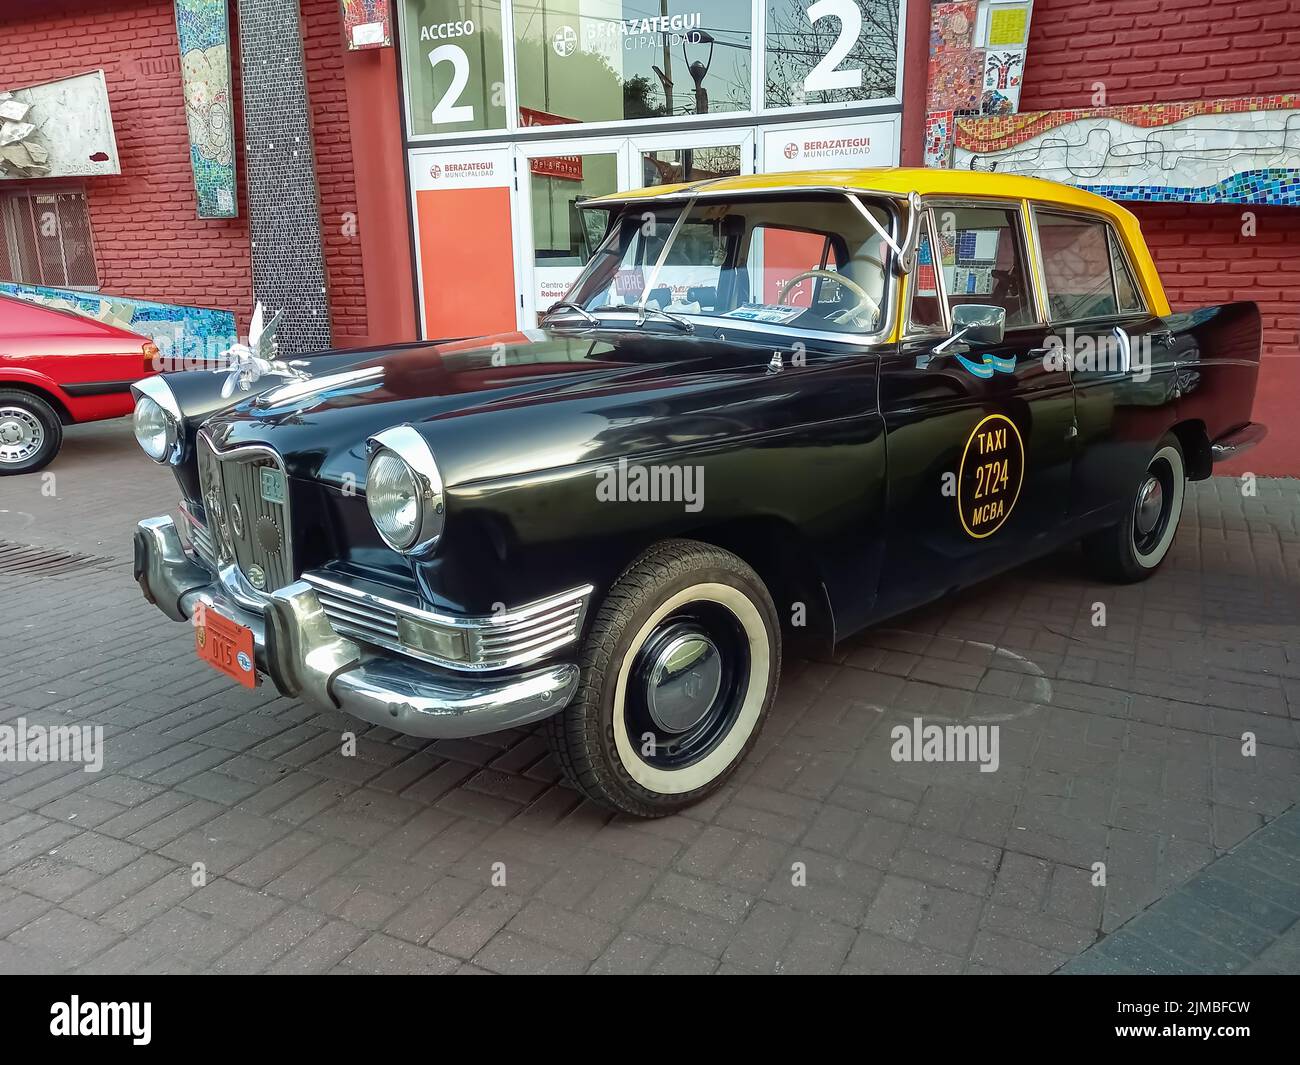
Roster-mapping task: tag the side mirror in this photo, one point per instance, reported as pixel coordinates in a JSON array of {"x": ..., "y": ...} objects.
[{"x": 979, "y": 324}]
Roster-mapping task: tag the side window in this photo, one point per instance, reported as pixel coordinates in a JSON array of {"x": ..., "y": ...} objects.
[
  {"x": 1130, "y": 299},
  {"x": 981, "y": 259},
  {"x": 926, "y": 312},
  {"x": 1077, "y": 257}
]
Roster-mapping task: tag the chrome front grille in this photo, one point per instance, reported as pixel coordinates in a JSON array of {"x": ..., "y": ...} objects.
[
  {"x": 371, "y": 613},
  {"x": 244, "y": 526},
  {"x": 199, "y": 535}
]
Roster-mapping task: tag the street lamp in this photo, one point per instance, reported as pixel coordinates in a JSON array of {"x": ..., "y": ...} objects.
[{"x": 698, "y": 71}]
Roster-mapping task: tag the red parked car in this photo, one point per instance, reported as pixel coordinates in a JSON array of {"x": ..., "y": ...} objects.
[{"x": 58, "y": 368}]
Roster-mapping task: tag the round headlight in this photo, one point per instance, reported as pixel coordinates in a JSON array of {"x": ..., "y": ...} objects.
[
  {"x": 153, "y": 429},
  {"x": 404, "y": 491},
  {"x": 394, "y": 498}
]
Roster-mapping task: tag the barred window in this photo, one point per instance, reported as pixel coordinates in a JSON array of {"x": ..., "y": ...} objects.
[{"x": 47, "y": 239}]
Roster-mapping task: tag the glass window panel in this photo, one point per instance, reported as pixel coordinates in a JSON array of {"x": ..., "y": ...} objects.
[
  {"x": 610, "y": 60},
  {"x": 689, "y": 164},
  {"x": 832, "y": 51},
  {"x": 926, "y": 314},
  {"x": 979, "y": 252},
  {"x": 455, "y": 65},
  {"x": 559, "y": 183},
  {"x": 1129, "y": 297},
  {"x": 741, "y": 261},
  {"x": 1076, "y": 267}
]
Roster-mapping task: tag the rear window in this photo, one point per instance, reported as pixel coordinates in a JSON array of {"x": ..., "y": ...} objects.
[{"x": 1083, "y": 269}]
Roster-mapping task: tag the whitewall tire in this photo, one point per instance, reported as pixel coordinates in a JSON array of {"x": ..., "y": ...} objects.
[{"x": 678, "y": 671}]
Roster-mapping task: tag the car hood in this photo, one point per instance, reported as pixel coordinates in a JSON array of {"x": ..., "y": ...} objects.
[{"x": 539, "y": 399}]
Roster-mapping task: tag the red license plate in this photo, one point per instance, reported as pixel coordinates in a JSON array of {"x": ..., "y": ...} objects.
[{"x": 225, "y": 645}]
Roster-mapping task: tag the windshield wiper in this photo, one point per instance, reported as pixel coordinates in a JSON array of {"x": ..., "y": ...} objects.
[
  {"x": 562, "y": 305},
  {"x": 645, "y": 309}
]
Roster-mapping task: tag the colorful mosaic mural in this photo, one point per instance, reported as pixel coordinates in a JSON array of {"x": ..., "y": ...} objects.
[
  {"x": 203, "y": 30},
  {"x": 977, "y": 64},
  {"x": 1241, "y": 150},
  {"x": 188, "y": 336},
  {"x": 367, "y": 24}
]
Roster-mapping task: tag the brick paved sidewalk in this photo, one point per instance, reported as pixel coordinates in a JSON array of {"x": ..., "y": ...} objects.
[{"x": 1119, "y": 745}]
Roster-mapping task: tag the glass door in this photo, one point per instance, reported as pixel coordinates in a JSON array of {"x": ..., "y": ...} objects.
[
  {"x": 554, "y": 177},
  {"x": 669, "y": 158}
]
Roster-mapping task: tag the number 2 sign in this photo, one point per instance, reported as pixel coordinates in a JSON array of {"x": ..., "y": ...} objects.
[{"x": 826, "y": 75}]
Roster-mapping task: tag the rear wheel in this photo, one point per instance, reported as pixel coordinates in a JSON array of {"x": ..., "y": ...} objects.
[
  {"x": 30, "y": 432},
  {"x": 678, "y": 671},
  {"x": 1132, "y": 549}
]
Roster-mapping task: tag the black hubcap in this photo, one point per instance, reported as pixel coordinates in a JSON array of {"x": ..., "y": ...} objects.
[
  {"x": 687, "y": 685},
  {"x": 1151, "y": 508}
]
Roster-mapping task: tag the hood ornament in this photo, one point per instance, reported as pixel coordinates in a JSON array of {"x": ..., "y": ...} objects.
[{"x": 252, "y": 361}]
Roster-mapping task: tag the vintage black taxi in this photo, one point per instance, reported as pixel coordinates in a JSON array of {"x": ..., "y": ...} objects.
[{"x": 771, "y": 408}]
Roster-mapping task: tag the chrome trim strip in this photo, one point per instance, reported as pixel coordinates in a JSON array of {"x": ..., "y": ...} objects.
[{"x": 369, "y": 612}]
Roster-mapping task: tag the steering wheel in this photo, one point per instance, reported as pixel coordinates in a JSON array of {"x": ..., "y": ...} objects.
[{"x": 840, "y": 279}]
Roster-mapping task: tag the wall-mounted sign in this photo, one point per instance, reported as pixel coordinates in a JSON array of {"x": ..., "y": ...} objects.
[
  {"x": 203, "y": 34},
  {"x": 58, "y": 129},
  {"x": 831, "y": 146},
  {"x": 367, "y": 24}
]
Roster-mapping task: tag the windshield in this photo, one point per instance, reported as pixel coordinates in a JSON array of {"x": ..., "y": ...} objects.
[{"x": 815, "y": 262}]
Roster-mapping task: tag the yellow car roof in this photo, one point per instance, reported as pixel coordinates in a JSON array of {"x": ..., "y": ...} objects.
[{"x": 889, "y": 181}]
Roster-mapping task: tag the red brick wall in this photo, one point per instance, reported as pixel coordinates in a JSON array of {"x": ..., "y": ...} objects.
[
  {"x": 1151, "y": 51},
  {"x": 148, "y": 242}
]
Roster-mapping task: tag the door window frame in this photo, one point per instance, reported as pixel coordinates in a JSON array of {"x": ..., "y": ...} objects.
[
  {"x": 1035, "y": 207},
  {"x": 1028, "y": 257},
  {"x": 944, "y": 328}
]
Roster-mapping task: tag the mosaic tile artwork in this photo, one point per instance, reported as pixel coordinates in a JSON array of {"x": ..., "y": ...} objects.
[
  {"x": 938, "y": 138},
  {"x": 955, "y": 81},
  {"x": 1241, "y": 150},
  {"x": 283, "y": 205},
  {"x": 1278, "y": 188},
  {"x": 977, "y": 64},
  {"x": 952, "y": 25},
  {"x": 203, "y": 35},
  {"x": 367, "y": 24},
  {"x": 180, "y": 332},
  {"x": 1003, "y": 70},
  {"x": 1008, "y": 25}
]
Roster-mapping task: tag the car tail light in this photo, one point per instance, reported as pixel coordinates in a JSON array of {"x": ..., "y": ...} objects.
[{"x": 150, "y": 357}]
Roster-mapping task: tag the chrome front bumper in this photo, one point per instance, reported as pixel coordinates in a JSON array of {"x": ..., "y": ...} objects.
[{"x": 305, "y": 658}]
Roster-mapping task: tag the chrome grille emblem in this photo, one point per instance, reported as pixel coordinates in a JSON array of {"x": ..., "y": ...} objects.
[
  {"x": 257, "y": 577},
  {"x": 237, "y": 519}
]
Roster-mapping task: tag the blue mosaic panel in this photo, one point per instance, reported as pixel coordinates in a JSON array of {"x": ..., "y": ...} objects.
[
  {"x": 187, "y": 334},
  {"x": 203, "y": 33},
  {"x": 1279, "y": 188}
]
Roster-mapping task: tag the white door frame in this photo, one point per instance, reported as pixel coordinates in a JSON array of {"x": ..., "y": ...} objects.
[{"x": 525, "y": 253}]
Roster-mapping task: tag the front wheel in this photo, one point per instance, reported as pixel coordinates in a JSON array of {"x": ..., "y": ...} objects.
[
  {"x": 30, "y": 432},
  {"x": 1132, "y": 549},
  {"x": 678, "y": 671}
]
